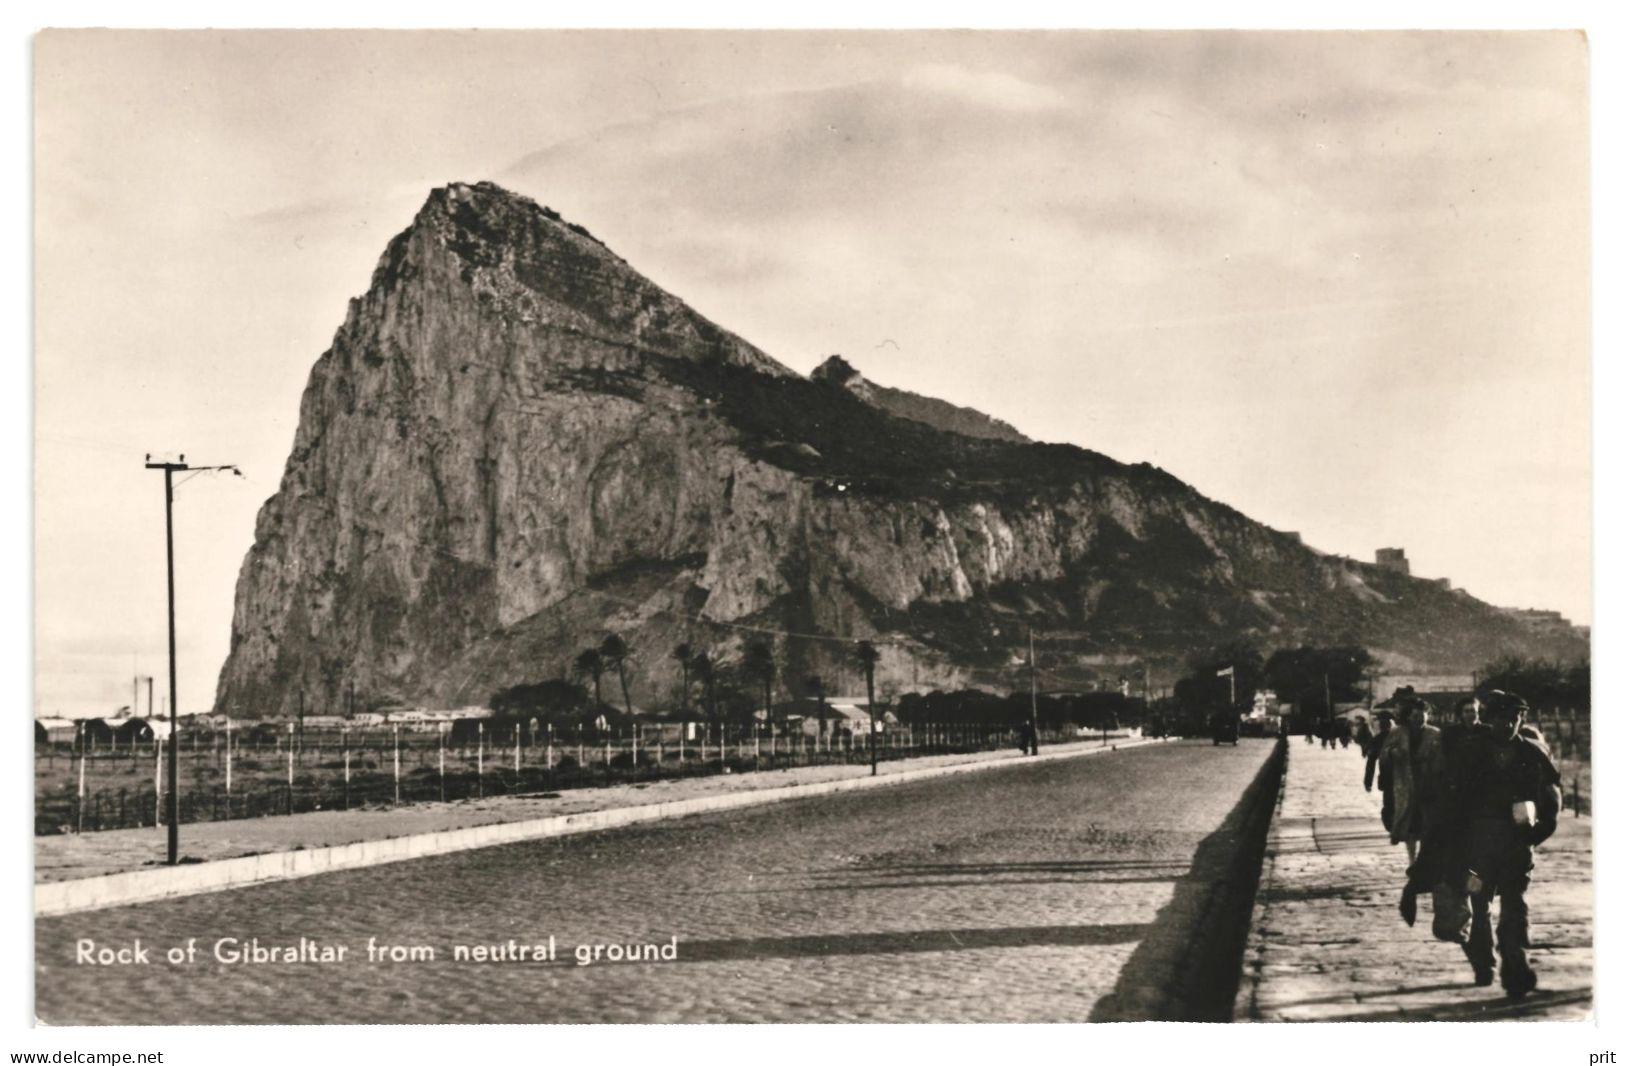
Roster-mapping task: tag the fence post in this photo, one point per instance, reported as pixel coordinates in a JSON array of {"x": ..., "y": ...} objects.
[
  {"x": 157, "y": 779},
  {"x": 290, "y": 767},
  {"x": 443, "y": 727},
  {"x": 550, "y": 746},
  {"x": 79, "y": 804},
  {"x": 479, "y": 759},
  {"x": 396, "y": 729},
  {"x": 344, "y": 741}
]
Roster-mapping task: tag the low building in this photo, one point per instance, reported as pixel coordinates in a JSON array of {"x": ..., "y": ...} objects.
[
  {"x": 56, "y": 730},
  {"x": 315, "y": 722},
  {"x": 1424, "y": 685},
  {"x": 841, "y": 714},
  {"x": 1541, "y": 623},
  {"x": 97, "y": 732},
  {"x": 140, "y": 730}
]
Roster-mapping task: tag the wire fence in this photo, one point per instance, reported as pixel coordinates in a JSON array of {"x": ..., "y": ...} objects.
[
  {"x": 1568, "y": 736},
  {"x": 124, "y": 787}
]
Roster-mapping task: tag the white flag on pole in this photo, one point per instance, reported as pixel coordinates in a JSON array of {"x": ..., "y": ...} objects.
[{"x": 1227, "y": 671}]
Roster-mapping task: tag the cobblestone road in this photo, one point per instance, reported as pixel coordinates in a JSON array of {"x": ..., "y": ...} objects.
[{"x": 1057, "y": 892}]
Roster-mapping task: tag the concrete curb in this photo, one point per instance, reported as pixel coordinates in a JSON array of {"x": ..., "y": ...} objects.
[
  {"x": 1252, "y": 958},
  {"x": 141, "y": 886}
]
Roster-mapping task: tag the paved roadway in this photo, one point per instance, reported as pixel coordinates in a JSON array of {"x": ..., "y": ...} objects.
[{"x": 1064, "y": 891}]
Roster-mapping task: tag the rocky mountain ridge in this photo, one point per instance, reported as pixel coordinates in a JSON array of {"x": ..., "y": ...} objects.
[
  {"x": 952, "y": 418},
  {"x": 516, "y": 444}
]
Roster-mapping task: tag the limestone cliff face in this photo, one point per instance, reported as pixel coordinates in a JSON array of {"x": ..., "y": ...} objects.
[{"x": 517, "y": 444}]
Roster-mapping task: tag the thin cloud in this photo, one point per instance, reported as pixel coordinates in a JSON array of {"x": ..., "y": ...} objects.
[
  {"x": 989, "y": 88},
  {"x": 323, "y": 210}
]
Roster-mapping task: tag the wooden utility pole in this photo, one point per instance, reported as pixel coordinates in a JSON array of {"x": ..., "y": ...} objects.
[
  {"x": 79, "y": 806},
  {"x": 169, "y": 546},
  {"x": 174, "y": 804},
  {"x": 1032, "y": 678}
]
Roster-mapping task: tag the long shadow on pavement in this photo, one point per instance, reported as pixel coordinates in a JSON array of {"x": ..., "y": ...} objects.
[
  {"x": 1536, "y": 1005},
  {"x": 1188, "y": 966},
  {"x": 913, "y": 940},
  {"x": 983, "y": 883}
]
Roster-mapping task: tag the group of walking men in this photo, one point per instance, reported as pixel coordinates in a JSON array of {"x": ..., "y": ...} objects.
[{"x": 1469, "y": 801}]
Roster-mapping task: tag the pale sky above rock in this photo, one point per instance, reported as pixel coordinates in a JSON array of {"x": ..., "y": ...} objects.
[{"x": 1338, "y": 281}]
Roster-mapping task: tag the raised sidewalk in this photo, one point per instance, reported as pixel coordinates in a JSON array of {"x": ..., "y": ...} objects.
[
  {"x": 1327, "y": 942},
  {"x": 95, "y": 870}
]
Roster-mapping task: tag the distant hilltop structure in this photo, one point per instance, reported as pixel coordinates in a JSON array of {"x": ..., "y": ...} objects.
[
  {"x": 1393, "y": 559},
  {"x": 1546, "y": 623}
]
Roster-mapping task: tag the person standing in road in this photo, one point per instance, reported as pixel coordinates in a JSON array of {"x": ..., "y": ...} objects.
[
  {"x": 1464, "y": 720},
  {"x": 1505, "y": 797},
  {"x": 1438, "y": 860},
  {"x": 1413, "y": 755},
  {"x": 1376, "y": 768}
]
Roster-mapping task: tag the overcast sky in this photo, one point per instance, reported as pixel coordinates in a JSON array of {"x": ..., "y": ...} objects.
[{"x": 1338, "y": 281}]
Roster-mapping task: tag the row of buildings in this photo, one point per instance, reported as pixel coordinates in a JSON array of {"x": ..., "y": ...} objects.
[{"x": 844, "y": 714}]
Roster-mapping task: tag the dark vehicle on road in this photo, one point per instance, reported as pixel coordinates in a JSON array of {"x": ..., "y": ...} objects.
[{"x": 1225, "y": 727}]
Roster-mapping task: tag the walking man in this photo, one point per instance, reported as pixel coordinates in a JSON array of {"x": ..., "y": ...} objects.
[
  {"x": 1506, "y": 799},
  {"x": 1376, "y": 769}
]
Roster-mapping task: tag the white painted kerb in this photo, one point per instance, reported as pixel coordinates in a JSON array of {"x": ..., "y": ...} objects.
[{"x": 140, "y": 886}]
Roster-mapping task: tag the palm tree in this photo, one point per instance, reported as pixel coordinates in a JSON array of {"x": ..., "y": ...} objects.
[
  {"x": 614, "y": 652},
  {"x": 684, "y": 655},
  {"x": 815, "y": 685},
  {"x": 867, "y": 655},
  {"x": 590, "y": 663},
  {"x": 759, "y": 665},
  {"x": 705, "y": 672}
]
